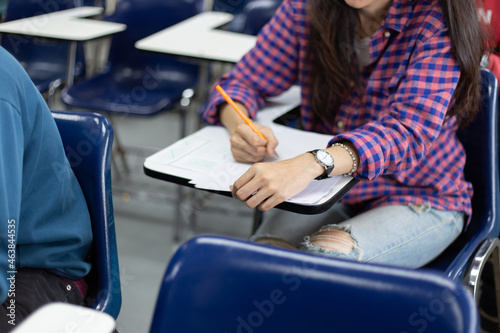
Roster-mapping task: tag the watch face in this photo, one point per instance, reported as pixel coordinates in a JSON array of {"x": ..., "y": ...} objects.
[{"x": 324, "y": 157}]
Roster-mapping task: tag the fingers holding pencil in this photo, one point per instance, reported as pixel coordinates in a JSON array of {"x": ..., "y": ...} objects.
[
  {"x": 272, "y": 142},
  {"x": 248, "y": 147},
  {"x": 264, "y": 133}
]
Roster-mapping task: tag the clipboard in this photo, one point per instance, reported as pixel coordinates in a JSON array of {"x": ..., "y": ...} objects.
[{"x": 172, "y": 173}]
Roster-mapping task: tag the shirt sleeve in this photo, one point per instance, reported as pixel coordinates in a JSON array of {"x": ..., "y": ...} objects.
[
  {"x": 11, "y": 165},
  {"x": 416, "y": 110},
  {"x": 268, "y": 69}
]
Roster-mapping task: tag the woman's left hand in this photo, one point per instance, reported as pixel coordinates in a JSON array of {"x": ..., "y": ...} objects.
[{"x": 266, "y": 185}]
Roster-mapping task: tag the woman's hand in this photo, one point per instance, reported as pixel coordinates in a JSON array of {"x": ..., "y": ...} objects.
[
  {"x": 246, "y": 145},
  {"x": 266, "y": 185}
]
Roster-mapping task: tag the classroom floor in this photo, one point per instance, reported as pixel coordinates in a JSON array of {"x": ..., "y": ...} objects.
[{"x": 145, "y": 218}]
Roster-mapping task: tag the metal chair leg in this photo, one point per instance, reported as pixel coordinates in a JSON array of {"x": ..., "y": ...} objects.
[
  {"x": 187, "y": 96},
  {"x": 118, "y": 148},
  {"x": 178, "y": 224},
  {"x": 53, "y": 86},
  {"x": 258, "y": 216},
  {"x": 488, "y": 251}
]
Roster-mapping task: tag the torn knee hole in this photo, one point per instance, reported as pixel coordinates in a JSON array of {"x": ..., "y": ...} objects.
[{"x": 333, "y": 240}]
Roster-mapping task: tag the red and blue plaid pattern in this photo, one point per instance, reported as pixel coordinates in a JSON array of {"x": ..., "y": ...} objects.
[{"x": 408, "y": 148}]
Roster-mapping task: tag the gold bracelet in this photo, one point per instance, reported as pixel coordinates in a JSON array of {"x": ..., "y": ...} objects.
[{"x": 354, "y": 165}]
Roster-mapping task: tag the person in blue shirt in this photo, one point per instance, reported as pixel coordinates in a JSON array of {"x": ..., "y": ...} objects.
[{"x": 45, "y": 229}]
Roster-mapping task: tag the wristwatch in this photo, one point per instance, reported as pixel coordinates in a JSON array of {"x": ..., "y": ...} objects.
[{"x": 325, "y": 160}]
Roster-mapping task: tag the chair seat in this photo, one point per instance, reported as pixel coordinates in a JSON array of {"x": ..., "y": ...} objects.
[
  {"x": 43, "y": 73},
  {"x": 220, "y": 284},
  {"x": 128, "y": 91}
]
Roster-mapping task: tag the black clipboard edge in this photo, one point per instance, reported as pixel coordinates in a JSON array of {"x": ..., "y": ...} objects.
[{"x": 288, "y": 206}]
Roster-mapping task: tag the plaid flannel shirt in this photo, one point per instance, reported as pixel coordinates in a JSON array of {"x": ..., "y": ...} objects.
[{"x": 409, "y": 152}]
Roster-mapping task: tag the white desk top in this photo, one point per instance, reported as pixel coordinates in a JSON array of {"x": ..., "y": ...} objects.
[
  {"x": 196, "y": 37},
  {"x": 66, "y": 317},
  {"x": 65, "y": 24}
]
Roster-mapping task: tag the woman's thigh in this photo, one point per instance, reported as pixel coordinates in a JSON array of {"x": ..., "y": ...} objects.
[{"x": 399, "y": 235}]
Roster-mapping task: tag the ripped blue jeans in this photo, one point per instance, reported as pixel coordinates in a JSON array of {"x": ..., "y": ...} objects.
[{"x": 399, "y": 235}]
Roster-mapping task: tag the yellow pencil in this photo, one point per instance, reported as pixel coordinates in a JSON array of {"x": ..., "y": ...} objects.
[{"x": 247, "y": 120}]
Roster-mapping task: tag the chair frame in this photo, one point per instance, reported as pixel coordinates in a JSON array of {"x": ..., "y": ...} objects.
[
  {"x": 467, "y": 257},
  {"x": 93, "y": 171}
]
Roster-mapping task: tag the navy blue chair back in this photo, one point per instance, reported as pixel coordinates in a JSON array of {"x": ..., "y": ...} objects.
[
  {"x": 481, "y": 169},
  {"x": 18, "y": 9},
  {"x": 100, "y": 3},
  {"x": 143, "y": 18},
  {"x": 87, "y": 139},
  {"x": 257, "y": 14},
  {"x": 217, "y": 284},
  {"x": 241, "y": 23},
  {"x": 44, "y": 60}
]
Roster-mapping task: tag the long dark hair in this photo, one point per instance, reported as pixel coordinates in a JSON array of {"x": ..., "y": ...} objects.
[{"x": 332, "y": 55}]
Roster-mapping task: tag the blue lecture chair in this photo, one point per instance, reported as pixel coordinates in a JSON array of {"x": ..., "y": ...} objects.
[
  {"x": 44, "y": 60},
  {"x": 218, "y": 284},
  {"x": 136, "y": 82},
  {"x": 466, "y": 258},
  {"x": 257, "y": 14},
  {"x": 87, "y": 139}
]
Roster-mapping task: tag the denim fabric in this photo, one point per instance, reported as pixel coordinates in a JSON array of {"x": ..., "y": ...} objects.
[{"x": 400, "y": 235}]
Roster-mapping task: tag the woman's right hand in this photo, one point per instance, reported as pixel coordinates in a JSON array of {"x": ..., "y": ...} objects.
[{"x": 246, "y": 145}]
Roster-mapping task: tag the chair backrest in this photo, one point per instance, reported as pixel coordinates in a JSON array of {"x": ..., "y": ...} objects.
[
  {"x": 241, "y": 23},
  {"x": 101, "y": 3},
  {"x": 217, "y": 284},
  {"x": 44, "y": 60},
  {"x": 87, "y": 140},
  {"x": 480, "y": 141},
  {"x": 143, "y": 18},
  {"x": 257, "y": 14}
]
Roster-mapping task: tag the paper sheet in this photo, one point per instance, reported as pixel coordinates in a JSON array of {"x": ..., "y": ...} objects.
[{"x": 205, "y": 156}]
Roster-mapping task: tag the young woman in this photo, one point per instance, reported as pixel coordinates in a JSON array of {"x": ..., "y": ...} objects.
[{"x": 391, "y": 81}]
